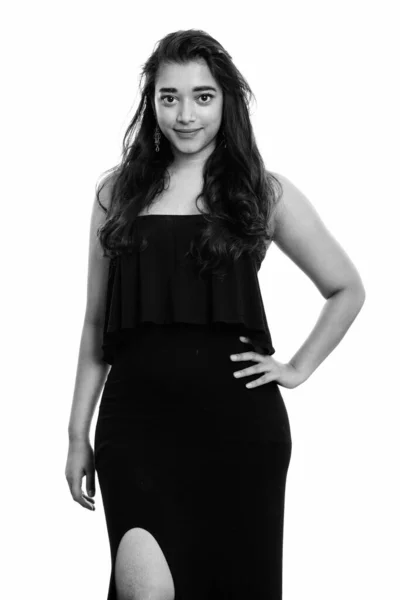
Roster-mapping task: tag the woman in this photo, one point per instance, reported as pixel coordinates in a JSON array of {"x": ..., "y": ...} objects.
[{"x": 192, "y": 448}]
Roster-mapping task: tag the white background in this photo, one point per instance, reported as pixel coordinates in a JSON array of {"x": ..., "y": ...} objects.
[{"x": 325, "y": 77}]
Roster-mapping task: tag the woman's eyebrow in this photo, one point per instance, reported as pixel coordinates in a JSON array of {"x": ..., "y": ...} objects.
[{"x": 198, "y": 88}]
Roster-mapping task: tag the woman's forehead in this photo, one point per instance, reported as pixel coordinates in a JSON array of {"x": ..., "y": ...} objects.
[{"x": 185, "y": 77}]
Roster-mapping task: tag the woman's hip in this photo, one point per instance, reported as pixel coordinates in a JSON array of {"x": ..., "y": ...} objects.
[{"x": 183, "y": 374}]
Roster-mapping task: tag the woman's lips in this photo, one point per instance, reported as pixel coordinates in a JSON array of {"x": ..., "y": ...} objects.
[{"x": 185, "y": 134}]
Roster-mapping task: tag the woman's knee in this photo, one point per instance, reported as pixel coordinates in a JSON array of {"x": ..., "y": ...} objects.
[{"x": 141, "y": 569}]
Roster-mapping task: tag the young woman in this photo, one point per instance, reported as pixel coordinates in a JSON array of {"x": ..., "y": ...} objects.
[{"x": 192, "y": 442}]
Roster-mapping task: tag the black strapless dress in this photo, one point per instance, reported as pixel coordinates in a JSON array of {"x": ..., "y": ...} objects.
[{"x": 182, "y": 448}]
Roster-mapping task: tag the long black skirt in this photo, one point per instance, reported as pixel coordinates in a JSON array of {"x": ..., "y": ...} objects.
[{"x": 184, "y": 450}]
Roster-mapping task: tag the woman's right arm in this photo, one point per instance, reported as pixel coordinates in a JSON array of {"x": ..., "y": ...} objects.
[{"x": 92, "y": 371}]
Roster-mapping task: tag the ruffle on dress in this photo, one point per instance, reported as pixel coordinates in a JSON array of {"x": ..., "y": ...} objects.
[{"x": 160, "y": 284}]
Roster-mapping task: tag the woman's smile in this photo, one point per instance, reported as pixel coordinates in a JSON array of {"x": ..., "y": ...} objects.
[{"x": 187, "y": 133}]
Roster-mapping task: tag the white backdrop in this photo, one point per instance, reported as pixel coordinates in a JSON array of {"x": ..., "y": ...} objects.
[{"x": 325, "y": 77}]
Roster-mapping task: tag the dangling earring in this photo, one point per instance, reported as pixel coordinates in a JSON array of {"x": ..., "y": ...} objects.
[
  {"x": 224, "y": 139},
  {"x": 157, "y": 137}
]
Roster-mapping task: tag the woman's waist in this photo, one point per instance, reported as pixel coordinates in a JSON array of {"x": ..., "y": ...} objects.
[
  {"x": 178, "y": 347},
  {"x": 185, "y": 360}
]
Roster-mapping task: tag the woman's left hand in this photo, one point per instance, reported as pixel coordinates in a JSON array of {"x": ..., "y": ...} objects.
[{"x": 284, "y": 374}]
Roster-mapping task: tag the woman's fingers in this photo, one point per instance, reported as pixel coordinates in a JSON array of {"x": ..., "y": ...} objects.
[
  {"x": 254, "y": 369},
  {"x": 79, "y": 463},
  {"x": 78, "y": 495},
  {"x": 90, "y": 482},
  {"x": 83, "y": 499},
  {"x": 90, "y": 500}
]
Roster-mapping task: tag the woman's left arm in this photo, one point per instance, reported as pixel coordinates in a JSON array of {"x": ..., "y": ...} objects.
[{"x": 300, "y": 233}]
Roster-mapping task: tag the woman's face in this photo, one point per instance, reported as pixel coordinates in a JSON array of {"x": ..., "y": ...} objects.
[{"x": 180, "y": 104}]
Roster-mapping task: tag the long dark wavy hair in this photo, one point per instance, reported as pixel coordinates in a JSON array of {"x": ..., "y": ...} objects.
[{"x": 238, "y": 192}]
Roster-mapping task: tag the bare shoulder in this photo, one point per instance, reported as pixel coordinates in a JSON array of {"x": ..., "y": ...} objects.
[
  {"x": 105, "y": 192},
  {"x": 301, "y": 234},
  {"x": 293, "y": 203},
  {"x": 101, "y": 205},
  {"x": 98, "y": 265}
]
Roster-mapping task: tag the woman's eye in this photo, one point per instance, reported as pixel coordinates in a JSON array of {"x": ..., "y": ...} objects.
[
  {"x": 201, "y": 96},
  {"x": 163, "y": 97}
]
